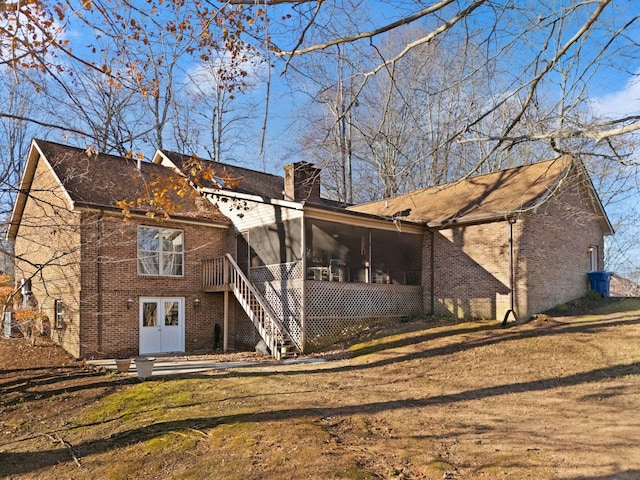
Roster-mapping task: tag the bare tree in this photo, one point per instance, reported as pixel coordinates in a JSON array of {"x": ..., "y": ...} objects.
[
  {"x": 138, "y": 47},
  {"x": 219, "y": 92},
  {"x": 534, "y": 43},
  {"x": 15, "y": 134},
  {"x": 109, "y": 115},
  {"x": 328, "y": 134}
]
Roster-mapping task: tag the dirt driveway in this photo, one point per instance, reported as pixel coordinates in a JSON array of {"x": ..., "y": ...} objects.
[{"x": 555, "y": 398}]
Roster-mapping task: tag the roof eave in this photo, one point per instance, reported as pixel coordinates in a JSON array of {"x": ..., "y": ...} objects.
[
  {"x": 361, "y": 218},
  {"x": 161, "y": 158},
  {"x": 208, "y": 192},
  {"x": 25, "y": 186},
  {"x": 475, "y": 220},
  {"x": 143, "y": 214}
]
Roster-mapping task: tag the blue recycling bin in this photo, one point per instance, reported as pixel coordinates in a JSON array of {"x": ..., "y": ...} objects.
[{"x": 599, "y": 281}]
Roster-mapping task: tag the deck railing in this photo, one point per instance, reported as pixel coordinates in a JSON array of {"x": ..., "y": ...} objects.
[{"x": 215, "y": 273}]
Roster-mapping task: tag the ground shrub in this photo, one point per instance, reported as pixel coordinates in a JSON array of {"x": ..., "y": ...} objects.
[{"x": 593, "y": 295}]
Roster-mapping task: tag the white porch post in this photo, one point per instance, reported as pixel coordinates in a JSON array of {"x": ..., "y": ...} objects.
[
  {"x": 303, "y": 314},
  {"x": 225, "y": 327}
]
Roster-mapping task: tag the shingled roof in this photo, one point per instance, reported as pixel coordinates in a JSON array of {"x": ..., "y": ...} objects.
[
  {"x": 477, "y": 199},
  {"x": 93, "y": 179},
  {"x": 251, "y": 182}
]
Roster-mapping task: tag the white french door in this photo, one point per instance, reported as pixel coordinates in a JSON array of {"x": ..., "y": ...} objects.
[{"x": 161, "y": 325}]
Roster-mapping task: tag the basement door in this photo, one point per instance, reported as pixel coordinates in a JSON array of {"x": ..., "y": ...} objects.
[{"x": 161, "y": 325}]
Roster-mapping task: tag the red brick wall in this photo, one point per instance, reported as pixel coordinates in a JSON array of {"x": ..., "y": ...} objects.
[
  {"x": 471, "y": 265},
  {"x": 471, "y": 271},
  {"x": 116, "y": 331},
  {"x": 554, "y": 250}
]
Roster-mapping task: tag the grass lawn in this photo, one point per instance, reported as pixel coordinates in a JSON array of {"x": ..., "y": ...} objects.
[{"x": 555, "y": 398}]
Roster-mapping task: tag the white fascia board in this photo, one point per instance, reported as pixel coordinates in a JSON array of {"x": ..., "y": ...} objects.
[
  {"x": 595, "y": 197},
  {"x": 53, "y": 172},
  {"x": 159, "y": 158},
  {"x": 361, "y": 220}
]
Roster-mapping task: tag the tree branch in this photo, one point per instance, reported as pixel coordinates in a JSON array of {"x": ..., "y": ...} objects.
[
  {"x": 42, "y": 124},
  {"x": 403, "y": 21},
  {"x": 565, "y": 133},
  {"x": 267, "y": 2}
]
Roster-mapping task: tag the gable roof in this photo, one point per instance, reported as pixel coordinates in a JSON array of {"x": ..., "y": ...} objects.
[
  {"x": 251, "y": 182},
  {"x": 99, "y": 180},
  {"x": 482, "y": 198}
]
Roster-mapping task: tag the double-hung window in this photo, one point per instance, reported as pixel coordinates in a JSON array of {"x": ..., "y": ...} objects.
[
  {"x": 59, "y": 312},
  {"x": 160, "y": 251}
]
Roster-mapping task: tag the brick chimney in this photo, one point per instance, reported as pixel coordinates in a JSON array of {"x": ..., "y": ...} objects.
[{"x": 301, "y": 182}]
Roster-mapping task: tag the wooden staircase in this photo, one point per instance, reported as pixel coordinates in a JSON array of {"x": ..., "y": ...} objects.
[{"x": 271, "y": 330}]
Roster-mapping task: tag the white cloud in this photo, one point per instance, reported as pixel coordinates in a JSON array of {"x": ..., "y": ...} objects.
[
  {"x": 625, "y": 101},
  {"x": 206, "y": 77}
]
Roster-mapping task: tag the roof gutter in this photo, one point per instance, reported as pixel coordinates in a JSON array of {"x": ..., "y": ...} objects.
[
  {"x": 141, "y": 214},
  {"x": 361, "y": 219},
  {"x": 476, "y": 220}
]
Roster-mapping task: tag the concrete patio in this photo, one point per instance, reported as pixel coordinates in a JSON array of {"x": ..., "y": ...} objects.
[{"x": 182, "y": 365}]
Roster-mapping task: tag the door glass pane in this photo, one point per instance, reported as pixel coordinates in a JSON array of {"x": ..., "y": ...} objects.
[
  {"x": 150, "y": 314},
  {"x": 170, "y": 313}
]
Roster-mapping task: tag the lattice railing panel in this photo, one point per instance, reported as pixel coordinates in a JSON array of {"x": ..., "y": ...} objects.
[
  {"x": 282, "y": 286},
  {"x": 337, "y": 310},
  {"x": 246, "y": 334},
  {"x": 276, "y": 273},
  {"x": 337, "y": 299},
  {"x": 334, "y": 310}
]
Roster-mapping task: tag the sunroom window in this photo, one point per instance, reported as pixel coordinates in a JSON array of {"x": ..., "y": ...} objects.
[{"x": 160, "y": 251}]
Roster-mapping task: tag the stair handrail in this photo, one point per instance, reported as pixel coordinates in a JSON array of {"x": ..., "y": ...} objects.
[{"x": 270, "y": 314}]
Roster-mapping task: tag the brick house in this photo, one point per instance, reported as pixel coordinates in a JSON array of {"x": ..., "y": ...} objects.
[
  {"x": 521, "y": 239},
  {"x": 248, "y": 255},
  {"x": 85, "y": 262}
]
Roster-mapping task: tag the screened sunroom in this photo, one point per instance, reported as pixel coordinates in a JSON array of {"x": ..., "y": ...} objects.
[{"x": 325, "y": 277}]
